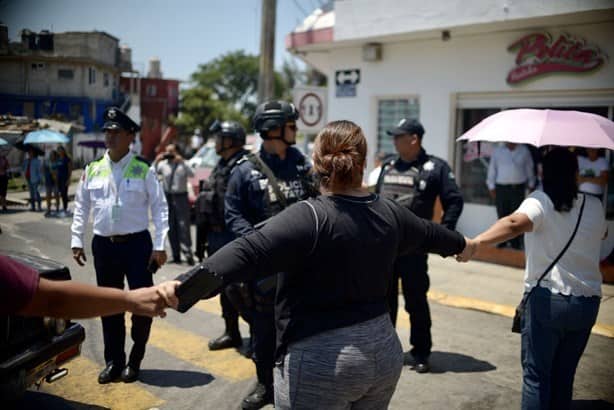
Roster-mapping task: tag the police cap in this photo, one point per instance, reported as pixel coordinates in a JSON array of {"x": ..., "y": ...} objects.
[
  {"x": 115, "y": 119},
  {"x": 274, "y": 114},
  {"x": 407, "y": 126}
]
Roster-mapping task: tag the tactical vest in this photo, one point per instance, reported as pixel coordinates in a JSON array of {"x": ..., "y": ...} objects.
[
  {"x": 293, "y": 190},
  {"x": 399, "y": 186},
  {"x": 213, "y": 195}
]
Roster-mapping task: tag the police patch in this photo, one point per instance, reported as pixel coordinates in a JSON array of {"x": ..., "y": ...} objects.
[
  {"x": 451, "y": 175},
  {"x": 428, "y": 166}
]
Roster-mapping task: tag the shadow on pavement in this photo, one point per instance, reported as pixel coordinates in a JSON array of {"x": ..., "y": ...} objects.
[
  {"x": 591, "y": 405},
  {"x": 38, "y": 400},
  {"x": 442, "y": 362},
  {"x": 174, "y": 378}
]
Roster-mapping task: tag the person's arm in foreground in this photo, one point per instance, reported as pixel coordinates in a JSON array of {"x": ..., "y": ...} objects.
[
  {"x": 69, "y": 299},
  {"x": 503, "y": 230}
]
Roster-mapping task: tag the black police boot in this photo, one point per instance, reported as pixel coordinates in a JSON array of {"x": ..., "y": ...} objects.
[
  {"x": 258, "y": 398},
  {"x": 110, "y": 373},
  {"x": 230, "y": 339},
  {"x": 421, "y": 364}
]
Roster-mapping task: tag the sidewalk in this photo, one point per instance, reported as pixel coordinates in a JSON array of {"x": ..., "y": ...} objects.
[
  {"x": 22, "y": 198},
  {"x": 495, "y": 289}
]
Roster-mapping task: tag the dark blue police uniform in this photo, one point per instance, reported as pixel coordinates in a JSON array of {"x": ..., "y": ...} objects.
[
  {"x": 416, "y": 185},
  {"x": 250, "y": 199}
]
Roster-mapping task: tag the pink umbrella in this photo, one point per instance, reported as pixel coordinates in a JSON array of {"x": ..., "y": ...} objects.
[{"x": 544, "y": 127}]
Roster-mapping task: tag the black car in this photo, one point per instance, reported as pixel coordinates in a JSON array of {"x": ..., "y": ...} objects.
[{"x": 35, "y": 348}]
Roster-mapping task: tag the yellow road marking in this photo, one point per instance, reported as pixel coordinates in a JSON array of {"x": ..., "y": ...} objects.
[
  {"x": 498, "y": 309},
  {"x": 81, "y": 386},
  {"x": 187, "y": 346}
]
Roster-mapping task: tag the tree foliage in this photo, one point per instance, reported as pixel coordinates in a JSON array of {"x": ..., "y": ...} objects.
[{"x": 225, "y": 88}]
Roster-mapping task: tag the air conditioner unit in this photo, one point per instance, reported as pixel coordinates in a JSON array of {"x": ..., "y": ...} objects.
[{"x": 372, "y": 52}]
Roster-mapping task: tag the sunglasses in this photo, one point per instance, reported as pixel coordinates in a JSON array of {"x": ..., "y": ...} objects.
[{"x": 292, "y": 127}]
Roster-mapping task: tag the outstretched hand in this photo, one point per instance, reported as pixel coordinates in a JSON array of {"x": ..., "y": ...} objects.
[
  {"x": 147, "y": 302},
  {"x": 471, "y": 247},
  {"x": 166, "y": 290}
]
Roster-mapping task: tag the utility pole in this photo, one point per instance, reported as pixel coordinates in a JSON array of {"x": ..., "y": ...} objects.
[{"x": 267, "y": 51}]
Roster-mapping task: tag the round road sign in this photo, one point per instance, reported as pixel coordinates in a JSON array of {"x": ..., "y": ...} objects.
[{"x": 310, "y": 109}]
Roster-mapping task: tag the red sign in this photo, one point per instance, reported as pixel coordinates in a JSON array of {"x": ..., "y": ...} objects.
[{"x": 538, "y": 54}]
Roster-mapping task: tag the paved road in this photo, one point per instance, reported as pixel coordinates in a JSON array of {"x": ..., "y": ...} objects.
[{"x": 475, "y": 360}]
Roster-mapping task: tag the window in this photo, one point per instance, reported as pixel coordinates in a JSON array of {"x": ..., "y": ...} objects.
[
  {"x": 38, "y": 66},
  {"x": 472, "y": 166},
  {"x": 389, "y": 113},
  {"x": 91, "y": 75},
  {"x": 105, "y": 79},
  {"x": 151, "y": 90},
  {"x": 66, "y": 74}
]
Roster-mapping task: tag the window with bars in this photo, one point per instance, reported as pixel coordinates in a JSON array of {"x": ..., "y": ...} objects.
[{"x": 389, "y": 113}]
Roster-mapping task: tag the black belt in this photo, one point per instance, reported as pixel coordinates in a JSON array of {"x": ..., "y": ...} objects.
[{"x": 123, "y": 238}]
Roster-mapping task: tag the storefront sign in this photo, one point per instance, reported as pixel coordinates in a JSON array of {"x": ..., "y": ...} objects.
[{"x": 538, "y": 54}]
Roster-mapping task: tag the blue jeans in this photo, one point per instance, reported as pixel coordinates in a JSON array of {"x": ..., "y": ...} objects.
[
  {"x": 555, "y": 330},
  {"x": 35, "y": 196}
]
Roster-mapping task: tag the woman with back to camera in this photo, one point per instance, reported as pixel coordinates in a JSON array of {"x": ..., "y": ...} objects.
[
  {"x": 561, "y": 311},
  {"x": 336, "y": 347}
]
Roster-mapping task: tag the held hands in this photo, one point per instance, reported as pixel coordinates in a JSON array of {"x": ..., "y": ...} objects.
[
  {"x": 154, "y": 300},
  {"x": 471, "y": 247}
]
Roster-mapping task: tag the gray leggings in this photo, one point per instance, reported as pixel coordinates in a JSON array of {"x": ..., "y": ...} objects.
[{"x": 355, "y": 367}]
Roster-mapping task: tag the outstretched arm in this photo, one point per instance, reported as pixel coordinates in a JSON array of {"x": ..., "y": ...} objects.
[{"x": 70, "y": 299}]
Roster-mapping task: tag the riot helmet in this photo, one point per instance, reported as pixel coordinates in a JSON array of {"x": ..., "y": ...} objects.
[
  {"x": 228, "y": 129},
  {"x": 271, "y": 115}
]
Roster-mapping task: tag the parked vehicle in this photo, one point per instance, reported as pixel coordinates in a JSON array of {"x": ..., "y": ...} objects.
[{"x": 33, "y": 349}]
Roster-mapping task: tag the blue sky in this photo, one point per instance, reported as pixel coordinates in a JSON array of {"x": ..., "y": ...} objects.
[{"x": 182, "y": 33}]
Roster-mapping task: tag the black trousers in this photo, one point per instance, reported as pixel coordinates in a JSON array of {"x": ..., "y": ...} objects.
[
  {"x": 412, "y": 269},
  {"x": 262, "y": 332},
  {"x": 215, "y": 241},
  {"x": 508, "y": 199},
  {"x": 113, "y": 262}
]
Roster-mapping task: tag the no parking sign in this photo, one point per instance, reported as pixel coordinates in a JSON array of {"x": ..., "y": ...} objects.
[{"x": 311, "y": 105}]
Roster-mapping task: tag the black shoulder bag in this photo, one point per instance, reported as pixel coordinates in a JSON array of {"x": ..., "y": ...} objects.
[{"x": 516, "y": 328}]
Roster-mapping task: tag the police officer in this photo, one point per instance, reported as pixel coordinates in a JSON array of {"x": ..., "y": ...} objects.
[
  {"x": 260, "y": 186},
  {"x": 119, "y": 188},
  {"x": 229, "y": 142},
  {"x": 415, "y": 179}
]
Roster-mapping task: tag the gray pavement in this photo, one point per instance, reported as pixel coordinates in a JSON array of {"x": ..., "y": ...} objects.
[{"x": 475, "y": 361}]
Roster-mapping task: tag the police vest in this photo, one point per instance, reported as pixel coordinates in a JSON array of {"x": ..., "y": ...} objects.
[
  {"x": 401, "y": 187},
  {"x": 213, "y": 196},
  {"x": 292, "y": 190}
]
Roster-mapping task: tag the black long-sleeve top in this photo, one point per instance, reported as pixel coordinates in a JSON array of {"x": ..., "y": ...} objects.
[{"x": 339, "y": 268}]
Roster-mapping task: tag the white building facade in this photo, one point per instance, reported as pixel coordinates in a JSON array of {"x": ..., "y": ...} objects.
[{"x": 452, "y": 63}]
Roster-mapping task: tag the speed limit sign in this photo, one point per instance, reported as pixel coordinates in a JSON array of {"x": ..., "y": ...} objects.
[{"x": 310, "y": 102}]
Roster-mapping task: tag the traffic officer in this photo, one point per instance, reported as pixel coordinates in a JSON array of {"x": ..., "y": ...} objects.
[
  {"x": 415, "y": 179},
  {"x": 229, "y": 142},
  {"x": 119, "y": 188},
  {"x": 260, "y": 186}
]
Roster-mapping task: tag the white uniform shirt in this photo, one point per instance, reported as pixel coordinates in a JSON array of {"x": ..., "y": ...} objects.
[
  {"x": 510, "y": 167},
  {"x": 588, "y": 168},
  {"x": 133, "y": 198},
  {"x": 577, "y": 272}
]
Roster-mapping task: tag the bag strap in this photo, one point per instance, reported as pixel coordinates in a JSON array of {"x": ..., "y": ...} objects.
[
  {"x": 317, "y": 225},
  {"x": 564, "y": 249},
  {"x": 264, "y": 168}
]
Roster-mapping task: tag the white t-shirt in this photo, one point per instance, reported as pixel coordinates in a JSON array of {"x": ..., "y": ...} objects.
[
  {"x": 590, "y": 168},
  {"x": 577, "y": 272}
]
